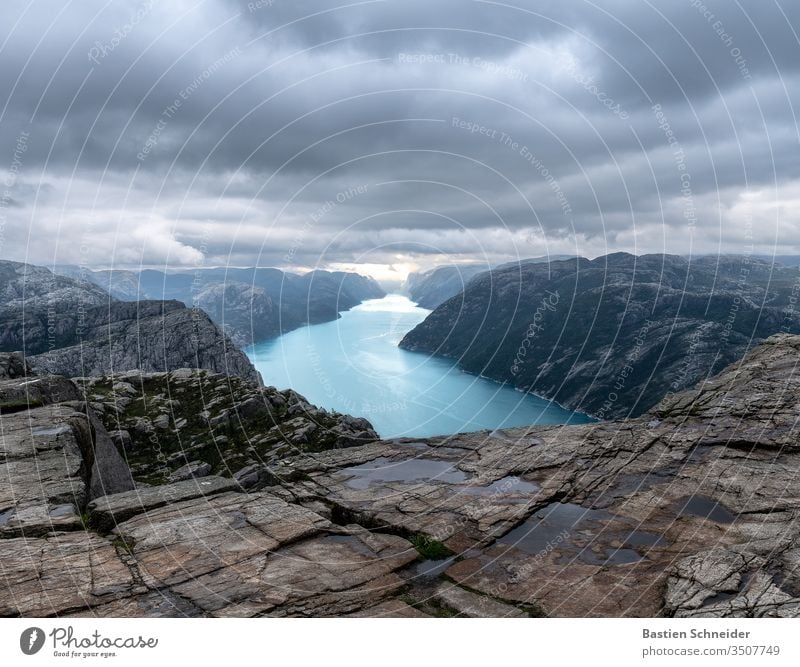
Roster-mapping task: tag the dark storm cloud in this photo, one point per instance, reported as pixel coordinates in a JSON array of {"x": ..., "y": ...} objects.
[{"x": 390, "y": 132}]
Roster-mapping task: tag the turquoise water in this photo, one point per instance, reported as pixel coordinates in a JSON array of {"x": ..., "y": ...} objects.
[{"x": 353, "y": 365}]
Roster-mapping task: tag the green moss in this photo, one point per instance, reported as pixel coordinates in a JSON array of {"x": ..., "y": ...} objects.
[
  {"x": 429, "y": 548},
  {"x": 124, "y": 543}
]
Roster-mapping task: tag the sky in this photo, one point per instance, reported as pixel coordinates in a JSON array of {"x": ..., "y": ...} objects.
[{"x": 395, "y": 135}]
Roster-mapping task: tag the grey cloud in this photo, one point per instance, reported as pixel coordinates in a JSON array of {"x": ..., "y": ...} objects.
[{"x": 212, "y": 116}]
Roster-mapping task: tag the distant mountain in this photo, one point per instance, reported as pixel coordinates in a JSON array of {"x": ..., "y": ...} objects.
[
  {"x": 250, "y": 304},
  {"x": 433, "y": 287},
  {"x": 69, "y": 327},
  {"x": 29, "y": 286},
  {"x": 611, "y": 336},
  {"x": 246, "y": 313},
  {"x": 784, "y": 260}
]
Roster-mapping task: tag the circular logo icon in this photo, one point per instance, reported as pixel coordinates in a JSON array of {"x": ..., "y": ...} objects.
[{"x": 31, "y": 640}]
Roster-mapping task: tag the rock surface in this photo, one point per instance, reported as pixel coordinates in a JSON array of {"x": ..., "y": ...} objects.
[
  {"x": 13, "y": 365},
  {"x": 613, "y": 335},
  {"x": 53, "y": 459},
  {"x": 473, "y": 605},
  {"x": 691, "y": 510},
  {"x": 108, "y": 511}
]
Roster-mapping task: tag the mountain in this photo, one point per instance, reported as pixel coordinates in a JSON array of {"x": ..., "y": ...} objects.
[
  {"x": 432, "y": 288},
  {"x": 245, "y": 313},
  {"x": 610, "y": 336},
  {"x": 149, "y": 336},
  {"x": 783, "y": 260},
  {"x": 37, "y": 288},
  {"x": 68, "y": 327},
  {"x": 251, "y": 304},
  {"x": 689, "y": 511}
]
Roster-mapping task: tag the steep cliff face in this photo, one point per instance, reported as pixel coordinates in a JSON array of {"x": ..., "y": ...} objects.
[
  {"x": 67, "y": 327},
  {"x": 689, "y": 511},
  {"x": 148, "y": 336},
  {"x": 613, "y": 335},
  {"x": 250, "y": 305}
]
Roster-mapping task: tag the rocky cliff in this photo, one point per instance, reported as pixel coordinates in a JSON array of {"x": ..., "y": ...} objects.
[
  {"x": 611, "y": 336},
  {"x": 192, "y": 423},
  {"x": 68, "y": 327},
  {"x": 250, "y": 304},
  {"x": 145, "y": 335},
  {"x": 688, "y": 511}
]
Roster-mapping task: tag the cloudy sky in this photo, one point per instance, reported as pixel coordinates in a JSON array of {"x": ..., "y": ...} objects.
[{"x": 395, "y": 134}]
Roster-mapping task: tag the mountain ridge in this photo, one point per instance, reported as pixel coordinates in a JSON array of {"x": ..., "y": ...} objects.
[
  {"x": 610, "y": 336},
  {"x": 249, "y": 304}
]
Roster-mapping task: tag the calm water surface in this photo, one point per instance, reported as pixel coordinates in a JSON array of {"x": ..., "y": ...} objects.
[{"x": 353, "y": 365}]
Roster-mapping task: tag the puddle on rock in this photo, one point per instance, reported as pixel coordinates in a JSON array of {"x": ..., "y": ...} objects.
[
  {"x": 410, "y": 470},
  {"x": 55, "y": 430},
  {"x": 571, "y": 530},
  {"x": 430, "y": 569},
  {"x": 602, "y": 556},
  {"x": 552, "y": 526},
  {"x": 619, "y": 557},
  {"x": 642, "y": 538},
  {"x": 705, "y": 508},
  {"x": 58, "y": 511}
]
